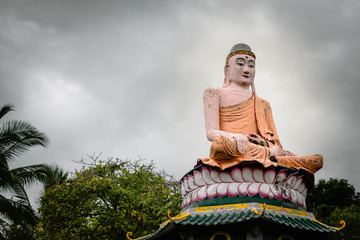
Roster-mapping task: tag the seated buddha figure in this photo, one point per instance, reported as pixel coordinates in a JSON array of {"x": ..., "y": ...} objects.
[{"x": 240, "y": 124}]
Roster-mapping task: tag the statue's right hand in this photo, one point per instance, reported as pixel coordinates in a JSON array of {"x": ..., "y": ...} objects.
[{"x": 241, "y": 142}]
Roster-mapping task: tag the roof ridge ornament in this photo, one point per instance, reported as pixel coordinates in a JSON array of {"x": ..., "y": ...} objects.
[{"x": 342, "y": 222}]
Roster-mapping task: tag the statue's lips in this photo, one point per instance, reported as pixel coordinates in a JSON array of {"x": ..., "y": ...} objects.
[{"x": 246, "y": 76}]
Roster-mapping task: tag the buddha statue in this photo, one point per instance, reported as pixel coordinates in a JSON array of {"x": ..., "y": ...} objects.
[{"x": 240, "y": 124}]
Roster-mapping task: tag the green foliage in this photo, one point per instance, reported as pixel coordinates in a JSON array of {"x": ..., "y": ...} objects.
[
  {"x": 17, "y": 137},
  {"x": 335, "y": 200},
  {"x": 107, "y": 199}
]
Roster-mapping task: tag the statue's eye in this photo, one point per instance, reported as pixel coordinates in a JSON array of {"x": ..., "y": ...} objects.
[{"x": 241, "y": 64}]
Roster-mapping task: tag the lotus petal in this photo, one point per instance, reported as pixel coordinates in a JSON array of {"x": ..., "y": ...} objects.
[
  {"x": 247, "y": 175},
  {"x": 233, "y": 189},
  {"x": 186, "y": 185},
  {"x": 271, "y": 195},
  {"x": 286, "y": 193},
  {"x": 269, "y": 175},
  {"x": 258, "y": 175},
  {"x": 298, "y": 183},
  {"x": 206, "y": 176},
  {"x": 183, "y": 192},
  {"x": 201, "y": 195},
  {"x": 301, "y": 188},
  {"x": 304, "y": 193},
  {"x": 214, "y": 175},
  {"x": 198, "y": 179},
  {"x": 291, "y": 180},
  {"x": 188, "y": 198},
  {"x": 221, "y": 190},
  {"x": 280, "y": 178},
  {"x": 264, "y": 190},
  {"x": 243, "y": 188},
  {"x": 211, "y": 191},
  {"x": 253, "y": 189},
  {"x": 194, "y": 196},
  {"x": 191, "y": 182},
  {"x": 293, "y": 196},
  {"x": 183, "y": 204},
  {"x": 225, "y": 177},
  {"x": 236, "y": 175},
  {"x": 277, "y": 191},
  {"x": 299, "y": 198}
]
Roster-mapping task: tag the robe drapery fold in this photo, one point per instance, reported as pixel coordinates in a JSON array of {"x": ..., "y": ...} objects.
[{"x": 253, "y": 116}]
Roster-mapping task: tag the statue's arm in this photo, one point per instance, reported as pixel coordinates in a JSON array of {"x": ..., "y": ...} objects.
[
  {"x": 211, "y": 98},
  {"x": 212, "y": 119}
]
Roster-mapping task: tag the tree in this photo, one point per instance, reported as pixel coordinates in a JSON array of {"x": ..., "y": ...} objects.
[
  {"x": 335, "y": 200},
  {"x": 106, "y": 199},
  {"x": 17, "y": 137}
]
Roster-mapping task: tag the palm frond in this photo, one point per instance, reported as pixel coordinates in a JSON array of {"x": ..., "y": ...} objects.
[
  {"x": 31, "y": 174},
  {"x": 5, "y": 109},
  {"x": 16, "y": 137},
  {"x": 17, "y": 211}
]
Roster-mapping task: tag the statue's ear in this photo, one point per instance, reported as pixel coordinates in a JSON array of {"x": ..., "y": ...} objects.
[{"x": 226, "y": 72}]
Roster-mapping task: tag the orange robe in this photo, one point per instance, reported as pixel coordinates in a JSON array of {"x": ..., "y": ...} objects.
[{"x": 253, "y": 115}]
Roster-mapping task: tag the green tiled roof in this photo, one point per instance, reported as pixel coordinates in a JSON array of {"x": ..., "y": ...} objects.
[
  {"x": 242, "y": 216},
  {"x": 226, "y": 215}
]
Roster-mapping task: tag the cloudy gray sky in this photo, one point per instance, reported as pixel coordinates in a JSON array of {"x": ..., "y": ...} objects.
[{"x": 125, "y": 78}]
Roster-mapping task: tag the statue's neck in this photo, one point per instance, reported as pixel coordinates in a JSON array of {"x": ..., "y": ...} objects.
[{"x": 240, "y": 87}]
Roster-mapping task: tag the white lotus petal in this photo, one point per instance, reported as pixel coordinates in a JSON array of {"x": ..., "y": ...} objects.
[
  {"x": 290, "y": 181},
  {"x": 214, "y": 175},
  {"x": 277, "y": 191},
  {"x": 247, "y": 175},
  {"x": 298, "y": 183},
  {"x": 293, "y": 196},
  {"x": 269, "y": 175},
  {"x": 183, "y": 192},
  {"x": 243, "y": 188},
  {"x": 280, "y": 178},
  {"x": 299, "y": 198},
  {"x": 188, "y": 198},
  {"x": 304, "y": 193},
  {"x": 206, "y": 176},
  {"x": 258, "y": 175},
  {"x": 271, "y": 195},
  {"x": 221, "y": 190},
  {"x": 253, "y": 189},
  {"x": 201, "y": 195},
  {"x": 183, "y": 204},
  {"x": 286, "y": 193},
  {"x": 233, "y": 189},
  {"x": 211, "y": 191},
  {"x": 264, "y": 190},
  {"x": 301, "y": 188},
  {"x": 191, "y": 183},
  {"x": 194, "y": 196},
  {"x": 186, "y": 185},
  {"x": 198, "y": 179},
  {"x": 236, "y": 175},
  {"x": 225, "y": 177}
]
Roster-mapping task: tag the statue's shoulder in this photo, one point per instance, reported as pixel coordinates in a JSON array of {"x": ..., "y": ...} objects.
[
  {"x": 212, "y": 92},
  {"x": 263, "y": 101}
]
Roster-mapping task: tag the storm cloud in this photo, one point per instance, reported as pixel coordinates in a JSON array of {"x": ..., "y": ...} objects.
[{"x": 125, "y": 78}]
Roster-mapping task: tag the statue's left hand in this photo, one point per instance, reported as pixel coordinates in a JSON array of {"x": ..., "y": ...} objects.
[
  {"x": 255, "y": 138},
  {"x": 278, "y": 151}
]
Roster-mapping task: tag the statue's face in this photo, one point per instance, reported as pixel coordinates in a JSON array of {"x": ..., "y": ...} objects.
[{"x": 241, "y": 69}]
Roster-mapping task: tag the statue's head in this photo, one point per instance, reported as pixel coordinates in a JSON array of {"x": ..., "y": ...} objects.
[{"x": 240, "y": 66}]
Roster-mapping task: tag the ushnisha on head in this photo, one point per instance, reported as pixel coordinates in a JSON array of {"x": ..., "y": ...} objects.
[
  {"x": 240, "y": 66},
  {"x": 240, "y": 48}
]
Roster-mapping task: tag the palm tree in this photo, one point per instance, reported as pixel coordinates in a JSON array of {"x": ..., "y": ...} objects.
[{"x": 17, "y": 137}]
